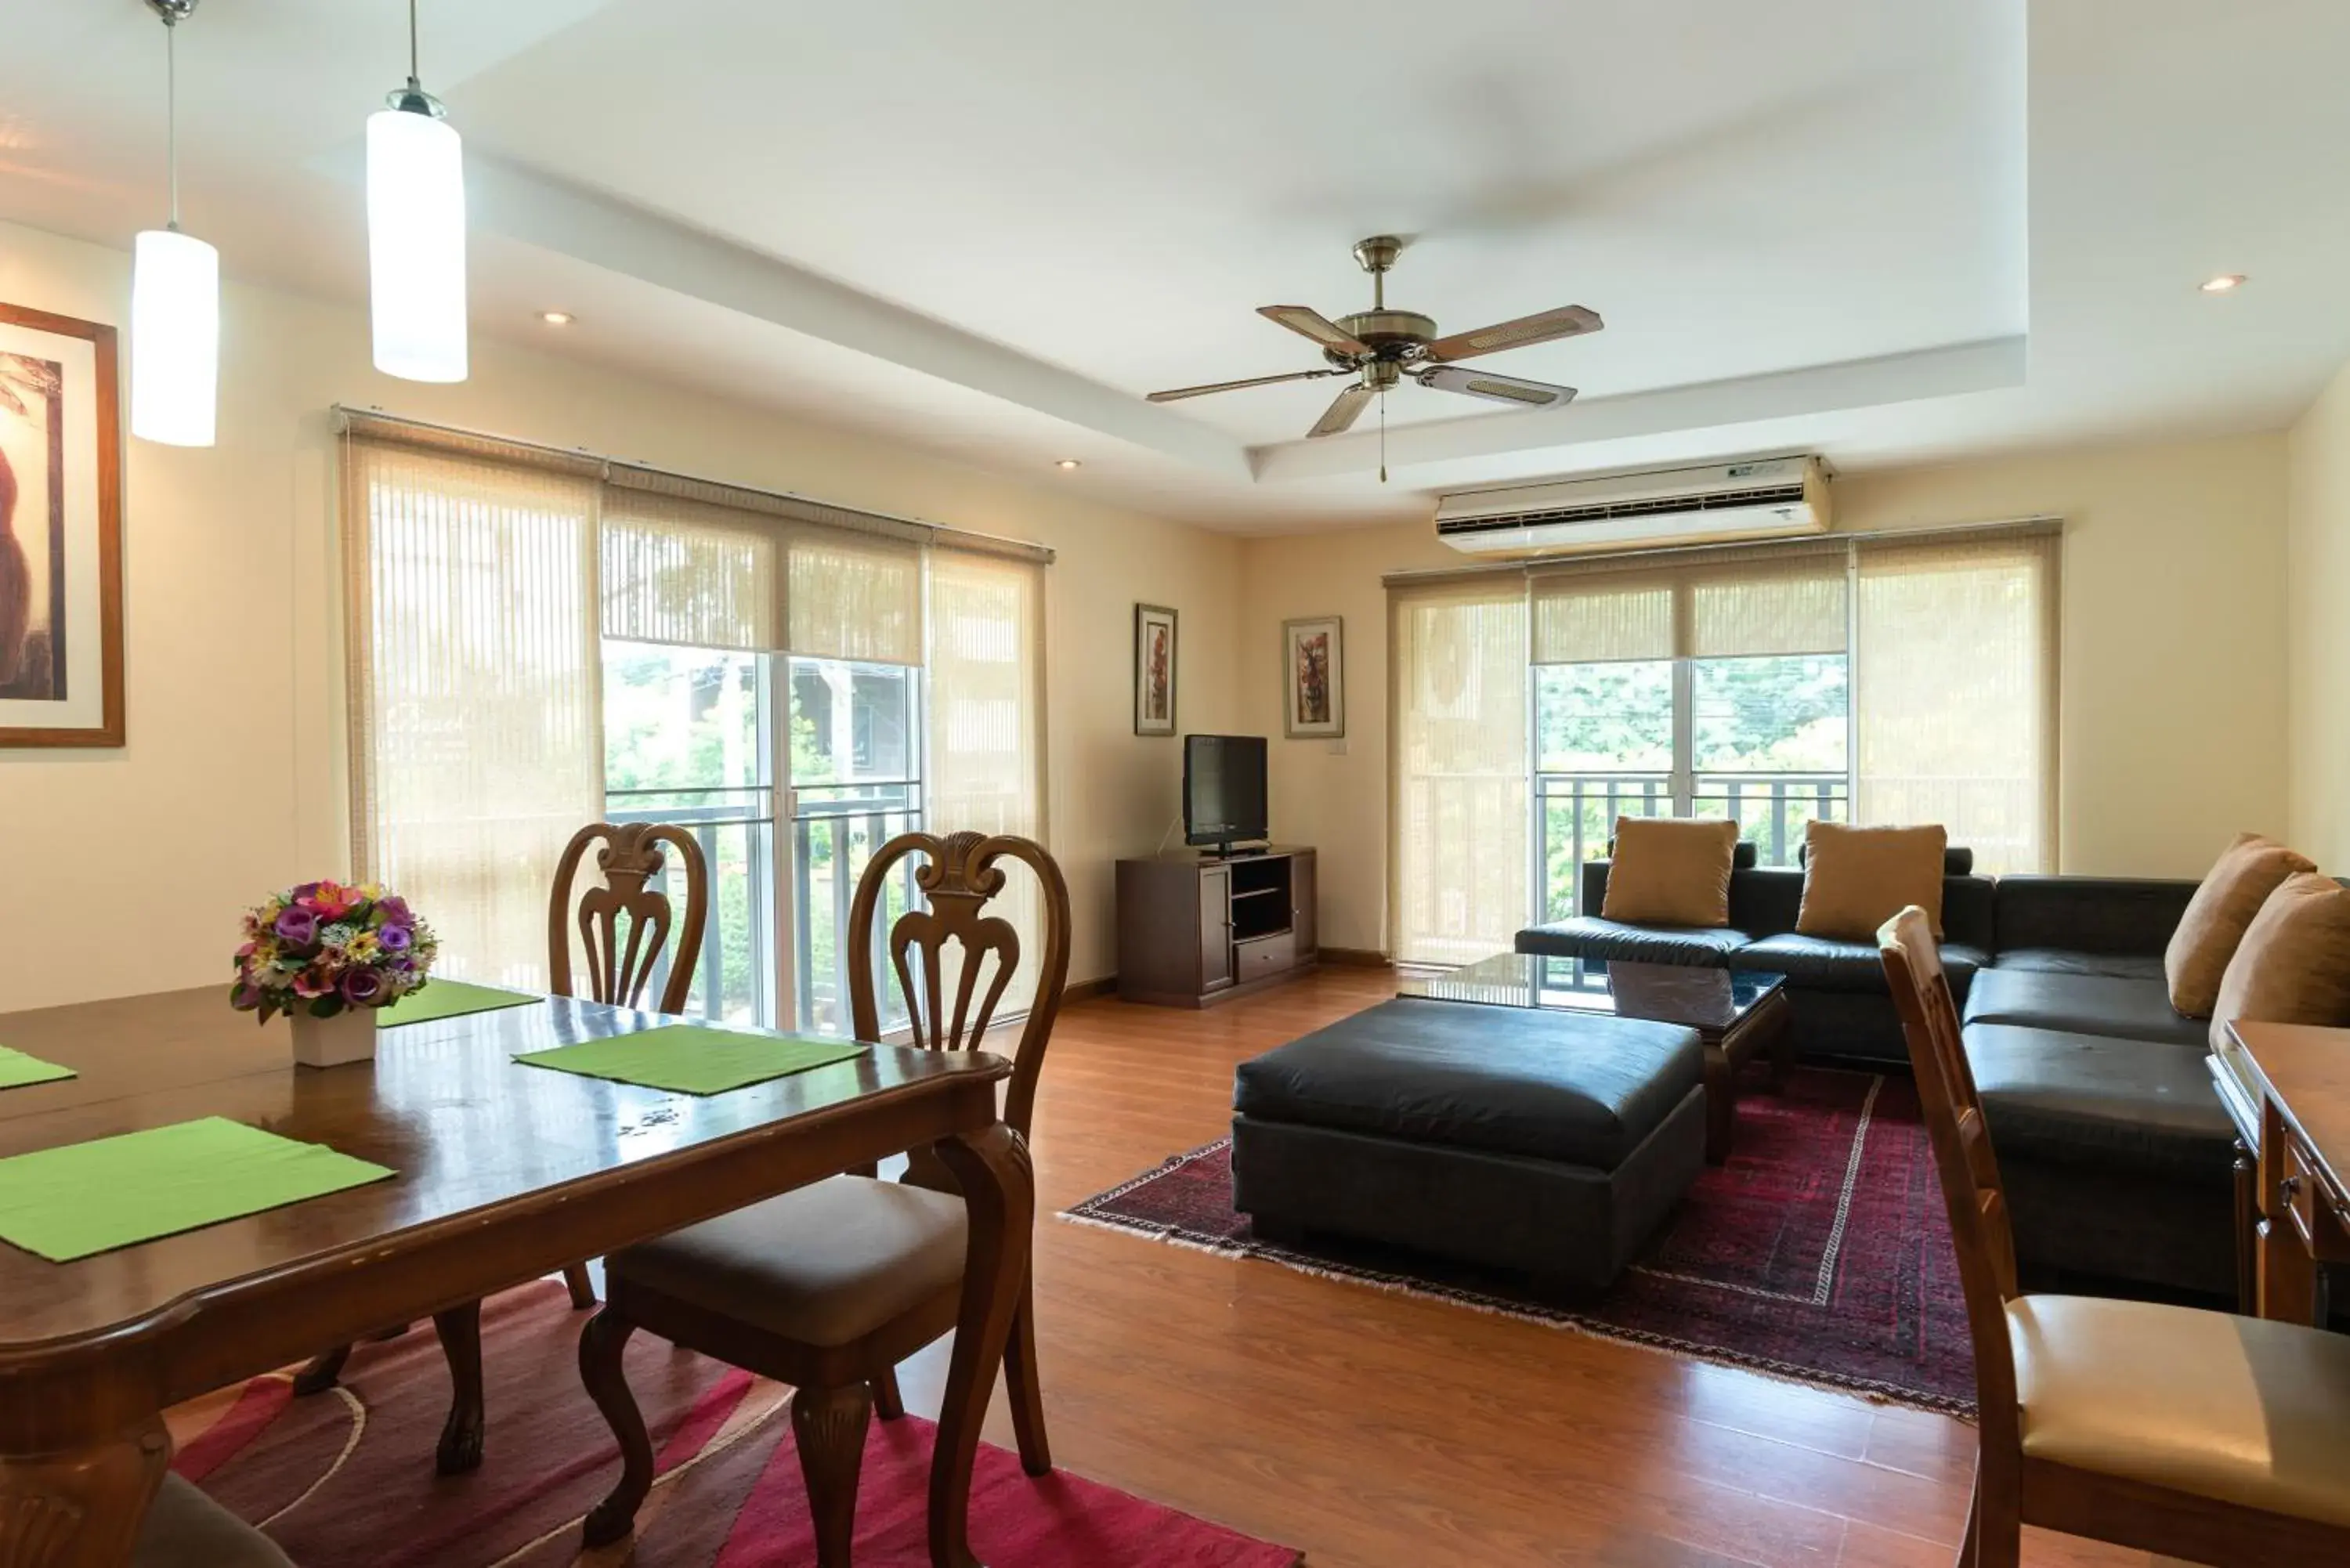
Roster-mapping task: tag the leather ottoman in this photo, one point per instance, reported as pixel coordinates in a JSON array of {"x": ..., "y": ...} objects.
[{"x": 1548, "y": 1143}]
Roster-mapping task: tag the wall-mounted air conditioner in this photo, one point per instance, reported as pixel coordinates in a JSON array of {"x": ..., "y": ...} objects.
[{"x": 1761, "y": 499}]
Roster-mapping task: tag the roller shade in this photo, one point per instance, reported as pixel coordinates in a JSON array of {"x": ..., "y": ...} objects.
[{"x": 1708, "y": 604}]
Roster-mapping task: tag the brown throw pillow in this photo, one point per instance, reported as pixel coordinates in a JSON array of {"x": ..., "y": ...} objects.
[
  {"x": 2293, "y": 964},
  {"x": 1670, "y": 871},
  {"x": 1857, "y": 878},
  {"x": 2232, "y": 892}
]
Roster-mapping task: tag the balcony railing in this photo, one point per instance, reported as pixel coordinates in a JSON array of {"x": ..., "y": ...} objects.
[{"x": 1576, "y": 814}]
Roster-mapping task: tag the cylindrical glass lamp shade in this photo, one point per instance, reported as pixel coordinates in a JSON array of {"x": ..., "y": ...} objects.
[
  {"x": 174, "y": 338},
  {"x": 416, "y": 245}
]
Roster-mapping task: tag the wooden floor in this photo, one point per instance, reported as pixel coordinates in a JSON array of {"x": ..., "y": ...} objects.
[{"x": 1371, "y": 1428}]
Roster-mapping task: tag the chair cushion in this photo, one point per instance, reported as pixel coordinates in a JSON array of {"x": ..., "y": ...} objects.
[
  {"x": 2230, "y": 895},
  {"x": 186, "y": 1529},
  {"x": 1571, "y": 1087},
  {"x": 2072, "y": 1098},
  {"x": 1671, "y": 871},
  {"x": 2293, "y": 964},
  {"x": 823, "y": 1265},
  {"x": 2064, "y": 960},
  {"x": 1588, "y": 936},
  {"x": 1857, "y": 878},
  {"x": 2081, "y": 1004},
  {"x": 1822, "y": 963},
  {"x": 2236, "y": 1409}
]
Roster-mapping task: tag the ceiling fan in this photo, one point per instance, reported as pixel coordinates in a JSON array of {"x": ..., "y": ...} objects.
[{"x": 1380, "y": 347}]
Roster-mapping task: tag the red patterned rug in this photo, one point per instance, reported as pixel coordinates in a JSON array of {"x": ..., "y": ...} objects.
[
  {"x": 345, "y": 1479},
  {"x": 1821, "y": 1251}
]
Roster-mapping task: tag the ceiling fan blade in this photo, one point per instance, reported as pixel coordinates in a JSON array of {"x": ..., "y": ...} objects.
[
  {"x": 1514, "y": 389},
  {"x": 1235, "y": 386},
  {"x": 1308, "y": 322},
  {"x": 1566, "y": 321},
  {"x": 1342, "y": 414}
]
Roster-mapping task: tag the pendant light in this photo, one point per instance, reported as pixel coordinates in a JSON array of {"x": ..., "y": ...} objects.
[
  {"x": 416, "y": 233},
  {"x": 174, "y": 297}
]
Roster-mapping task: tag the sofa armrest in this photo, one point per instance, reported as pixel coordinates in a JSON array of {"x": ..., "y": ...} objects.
[
  {"x": 1591, "y": 894},
  {"x": 2090, "y": 914}
]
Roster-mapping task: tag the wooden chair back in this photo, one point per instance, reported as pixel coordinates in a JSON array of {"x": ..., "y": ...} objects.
[
  {"x": 1962, "y": 1154},
  {"x": 957, "y": 879},
  {"x": 631, "y": 855}
]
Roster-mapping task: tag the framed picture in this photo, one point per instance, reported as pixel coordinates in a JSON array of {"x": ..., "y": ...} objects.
[
  {"x": 1314, "y": 676},
  {"x": 60, "y": 533},
  {"x": 1154, "y": 671}
]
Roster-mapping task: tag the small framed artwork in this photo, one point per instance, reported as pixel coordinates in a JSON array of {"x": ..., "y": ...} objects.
[
  {"x": 60, "y": 533},
  {"x": 1154, "y": 671},
  {"x": 1314, "y": 673}
]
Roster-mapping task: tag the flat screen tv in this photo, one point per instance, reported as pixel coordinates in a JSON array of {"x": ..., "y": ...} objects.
[{"x": 1223, "y": 790}]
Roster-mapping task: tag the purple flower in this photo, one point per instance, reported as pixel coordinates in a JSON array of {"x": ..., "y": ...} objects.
[
  {"x": 393, "y": 911},
  {"x": 297, "y": 926},
  {"x": 393, "y": 938},
  {"x": 244, "y": 997},
  {"x": 363, "y": 987}
]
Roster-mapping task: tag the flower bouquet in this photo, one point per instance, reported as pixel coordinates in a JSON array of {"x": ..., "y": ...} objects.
[{"x": 328, "y": 955}]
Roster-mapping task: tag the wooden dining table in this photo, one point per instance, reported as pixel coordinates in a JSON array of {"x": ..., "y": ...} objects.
[{"x": 505, "y": 1172}]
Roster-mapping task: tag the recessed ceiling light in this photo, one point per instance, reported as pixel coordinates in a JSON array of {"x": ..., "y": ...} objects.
[
  {"x": 556, "y": 318},
  {"x": 2227, "y": 282},
  {"x": 1069, "y": 463}
]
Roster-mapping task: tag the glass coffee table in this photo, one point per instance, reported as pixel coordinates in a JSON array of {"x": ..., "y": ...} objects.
[{"x": 1738, "y": 1015}]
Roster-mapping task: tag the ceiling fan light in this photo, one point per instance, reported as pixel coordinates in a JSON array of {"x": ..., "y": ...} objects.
[
  {"x": 174, "y": 338},
  {"x": 416, "y": 245}
]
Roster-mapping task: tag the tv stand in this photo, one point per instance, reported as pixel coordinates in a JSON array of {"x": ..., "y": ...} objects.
[
  {"x": 1196, "y": 930},
  {"x": 1227, "y": 852}
]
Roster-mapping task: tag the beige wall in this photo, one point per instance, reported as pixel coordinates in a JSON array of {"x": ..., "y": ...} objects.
[
  {"x": 126, "y": 870},
  {"x": 2318, "y": 557},
  {"x": 2173, "y": 734}
]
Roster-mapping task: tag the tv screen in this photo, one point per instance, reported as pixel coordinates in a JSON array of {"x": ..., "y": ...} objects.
[{"x": 1223, "y": 789}]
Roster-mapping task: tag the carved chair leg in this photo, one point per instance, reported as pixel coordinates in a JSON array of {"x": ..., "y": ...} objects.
[
  {"x": 999, "y": 1194},
  {"x": 887, "y": 1403},
  {"x": 1994, "y": 1525},
  {"x": 323, "y": 1373},
  {"x": 84, "y": 1506},
  {"x": 460, "y": 1346},
  {"x": 600, "y": 1345},
  {"x": 583, "y": 1289},
  {"x": 1020, "y": 1381},
  {"x": 830, "y": 1425}
]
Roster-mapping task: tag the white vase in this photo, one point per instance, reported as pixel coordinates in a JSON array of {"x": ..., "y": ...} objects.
[{"x": 347, "y": 1037}]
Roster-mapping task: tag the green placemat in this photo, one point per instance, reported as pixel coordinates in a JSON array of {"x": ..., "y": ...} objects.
[
  {"x": 17, "y": 1070},
  {"x": 448, "y": 999},
  {"x": 691, "y": 1059},
  {"x": 85, "y": 1198}
]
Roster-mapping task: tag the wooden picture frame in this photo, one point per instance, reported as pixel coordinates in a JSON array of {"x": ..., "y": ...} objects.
[
  {"x": 1154, "y": 670},
  {"x": 1314, "y": 677},
  {"x": 60, "y": 532}
]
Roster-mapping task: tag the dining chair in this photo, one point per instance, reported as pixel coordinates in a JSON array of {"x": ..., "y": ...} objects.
[
  {"x": 829, "y": 1286},
  {"x": 2189, "y": 1434},
  {"x": 620, "y": 966}
]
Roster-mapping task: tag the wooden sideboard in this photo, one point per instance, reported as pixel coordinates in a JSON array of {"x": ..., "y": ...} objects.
[
  {"x": 2296, "y": 1079},
  {"x": 1194, "y": 930}
]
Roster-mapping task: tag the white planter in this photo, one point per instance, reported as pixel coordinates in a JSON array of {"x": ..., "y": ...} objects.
[{"x": 347, "y": 1037}]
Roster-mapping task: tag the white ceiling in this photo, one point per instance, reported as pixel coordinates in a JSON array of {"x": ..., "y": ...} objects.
[{"x": 1886, "y": 231}]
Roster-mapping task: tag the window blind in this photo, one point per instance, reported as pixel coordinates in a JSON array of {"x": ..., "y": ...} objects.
[
  {"x": 1955, "y": 690},
  {"x": 987, "y": 721},
  {"x": 1701, "y": 604},
  {"x": 1458, "y": 854},
  {"x": 475, "y": 690},
  {"x": 689, "y": 573}
]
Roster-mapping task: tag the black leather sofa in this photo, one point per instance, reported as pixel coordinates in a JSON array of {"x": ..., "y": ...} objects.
[
  {"x": 1841, "y": 1006},
  {"x": 2118, "y": 1155}
]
